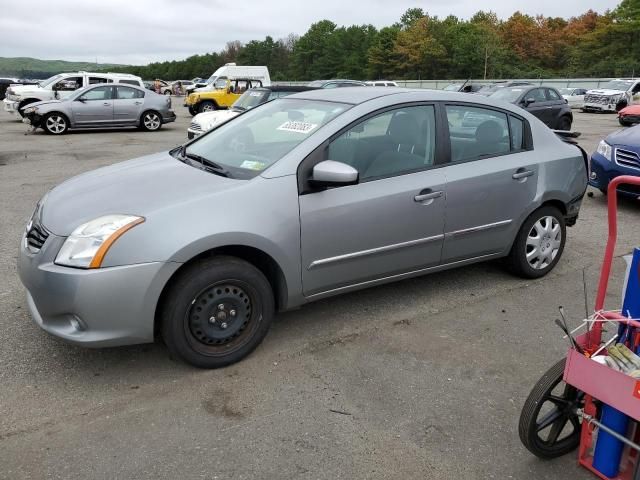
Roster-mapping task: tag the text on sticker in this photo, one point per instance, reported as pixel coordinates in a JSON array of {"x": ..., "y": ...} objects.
[{"x": 299, "y": 127}]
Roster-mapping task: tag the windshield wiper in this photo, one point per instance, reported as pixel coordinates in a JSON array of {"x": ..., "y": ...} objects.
[{"x": 205, "y": 163}]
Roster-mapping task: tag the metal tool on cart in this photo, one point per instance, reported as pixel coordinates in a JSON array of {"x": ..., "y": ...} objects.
[{"x": 565, "y": 408}]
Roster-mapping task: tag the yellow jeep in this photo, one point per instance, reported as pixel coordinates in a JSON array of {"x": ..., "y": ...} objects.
[{"x": 225, "y": 92}]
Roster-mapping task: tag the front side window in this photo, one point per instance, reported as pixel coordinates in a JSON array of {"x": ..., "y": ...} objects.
[
  {"x": 98, "y": 93},
  {"x": 126, "y": 93},
  {"x": 69, "y": 84},
  {"x": 257, "y": 139},
  {"x": 130, "y": 82},
  {"x": 553, "y": 96},
  {"x": 537, "y": 94},
  {"x": 392, "y": 143},
  {"x": 477, "y": 132}
]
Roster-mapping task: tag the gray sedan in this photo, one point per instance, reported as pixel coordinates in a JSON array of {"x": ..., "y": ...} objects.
[
  {"x": 100, "y": 106},
  {"x": 301, "y": 198}
]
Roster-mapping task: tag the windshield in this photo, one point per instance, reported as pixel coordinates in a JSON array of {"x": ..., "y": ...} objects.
[
  {"x": 211, "y": 79},
  {"x": 623, "y": 85},
  {"x": 565, "y": 91},
  {"x": 250, "y": 99},
  {"x": 256, "y": 140},
  {"x": 507, "y": 94},
  {"x": 317, "y": 83},
  {"x": 491, "y": 88},
  {"x": 49, "y": 80},
  {"x": 454, "y": 87}
]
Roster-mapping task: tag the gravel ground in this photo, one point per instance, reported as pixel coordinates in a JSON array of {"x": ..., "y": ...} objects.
[{"x": 430, "y": 374}]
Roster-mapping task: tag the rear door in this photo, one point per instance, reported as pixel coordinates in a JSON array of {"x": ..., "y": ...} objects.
[
  {"x": 388, "y": 224},
  {"x": 94, "y": 107},
  {"x": 127, "y": 104},
  {"x": 491, "y": 181}
]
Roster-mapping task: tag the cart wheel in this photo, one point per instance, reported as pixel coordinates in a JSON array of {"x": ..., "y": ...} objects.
[{"x": 549, "y": 426}]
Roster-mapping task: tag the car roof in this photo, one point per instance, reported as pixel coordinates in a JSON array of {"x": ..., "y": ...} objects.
[{"x": 286, "y": 88}]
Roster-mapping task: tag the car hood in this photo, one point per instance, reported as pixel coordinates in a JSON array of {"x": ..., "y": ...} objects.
[
  {"x": 40, "y": 104},
  {"x": 22, "y": 89},
  {"x": 630, "y": 110},
  {"x": 208, "y": 118},
  {"x": 138, "y": 187},
  {"x": 606, "y": 92},
  {"x": 629, "y": 137}
]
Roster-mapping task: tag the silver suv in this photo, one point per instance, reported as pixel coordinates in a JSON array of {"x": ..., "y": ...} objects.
[{"x": 302, "y": 198}]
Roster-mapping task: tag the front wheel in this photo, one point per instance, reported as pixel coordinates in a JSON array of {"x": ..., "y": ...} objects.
[
  {"x": 549, "y": 425},
  {"x": 623, "y": 122},
  {"x": 539, "y": 243},
  {"x": 151, "y": 121},
  {"x": 217, "y": 312},
  {"x": 564, "y": 124},
  {"x": 207, "y": 106},
  {"x": 167, "y": 92},
  {"x": 55, "y": 124}
]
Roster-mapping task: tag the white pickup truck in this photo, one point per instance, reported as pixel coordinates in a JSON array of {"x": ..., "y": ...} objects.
[
  {"x": 612, "y": 96},
  {"x": 59, "y": 86}
]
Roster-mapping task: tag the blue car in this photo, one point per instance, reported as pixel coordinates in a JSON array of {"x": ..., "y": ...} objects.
[{"x": 618, "y": 154}]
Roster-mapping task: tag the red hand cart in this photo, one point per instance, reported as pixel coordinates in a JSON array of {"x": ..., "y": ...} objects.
[{"x": 562, "y": 411}]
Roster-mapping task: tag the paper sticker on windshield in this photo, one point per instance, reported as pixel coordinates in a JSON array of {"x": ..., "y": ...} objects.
[
  {"x": 254, "y": 94},
  {"x": 299, "y": 127},
  {"x": 251, "y": 165}
]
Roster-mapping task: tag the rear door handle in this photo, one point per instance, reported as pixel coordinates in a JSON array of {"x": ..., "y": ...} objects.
[
  {"x": 427, "y": 196},
  {"x": 106, "y": 104},
  {"x": 520, "y": 174}
]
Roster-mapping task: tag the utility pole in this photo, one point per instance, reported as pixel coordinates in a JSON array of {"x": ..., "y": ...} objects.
[{"x": 486, "y": 60}]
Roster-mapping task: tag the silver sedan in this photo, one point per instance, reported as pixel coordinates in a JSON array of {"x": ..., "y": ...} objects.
[
  {"x": 100, "y": 106},
  {"x": 301, "y": 198}
]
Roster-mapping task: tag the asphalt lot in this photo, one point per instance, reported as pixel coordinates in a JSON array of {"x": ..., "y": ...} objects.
[{"x": 432, "y": 372}]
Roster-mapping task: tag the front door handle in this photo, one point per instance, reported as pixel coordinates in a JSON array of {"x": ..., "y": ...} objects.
[
  {"x": 520, "y": 174},
  {"x": 106, "y": 104},
  {"x": 138, "y": 103},
  {"x": 427, "y": 196}
]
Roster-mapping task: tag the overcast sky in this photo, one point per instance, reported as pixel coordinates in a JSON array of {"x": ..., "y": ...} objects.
[{"x": 142, "y": 31}]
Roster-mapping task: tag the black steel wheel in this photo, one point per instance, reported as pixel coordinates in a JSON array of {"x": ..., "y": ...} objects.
[
  {"x": 217, "y": 311},
  {"x": 549, "y": 425}
]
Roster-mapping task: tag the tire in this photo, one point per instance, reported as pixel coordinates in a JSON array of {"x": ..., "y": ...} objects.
[
  {"x": 558, "y": 419},
  {"x": 55, "y": 123},
  {"x": 542, "y": 223},
  {"x": 623, "y": 122},
  {"x": 193, "y": 111},
  {"x": 217, "y": 312},
  {"x": 167, "y": 92},
  {"x": 207, "y": 106},
  {"x": 564, "y": 123},
  {"x": 151, "y": 121}
]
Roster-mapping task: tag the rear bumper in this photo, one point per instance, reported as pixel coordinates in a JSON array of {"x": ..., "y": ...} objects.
[{"x": 169, "y": 117}]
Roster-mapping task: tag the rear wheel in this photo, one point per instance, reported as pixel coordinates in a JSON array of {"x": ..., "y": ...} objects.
[
  {"x": 55, "y": 123},
  {"x": 217, "y": 312},
  {"x": 207, "y": 106},
  {"x": 151, "y": 121},
  {"x": 549, "y": 425},
  {"x": 539, "y": 243}
]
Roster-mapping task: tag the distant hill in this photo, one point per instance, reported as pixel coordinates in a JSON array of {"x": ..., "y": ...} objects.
[{"x": 26, "y": 67}]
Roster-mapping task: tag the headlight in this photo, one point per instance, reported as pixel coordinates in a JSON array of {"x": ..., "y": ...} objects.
[
  {"x": 604, "y": 149},
  {"x": 88, "y": 244},
  {"x": 30, "y": 109}
]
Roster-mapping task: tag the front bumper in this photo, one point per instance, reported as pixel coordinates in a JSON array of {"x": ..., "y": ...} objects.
[
  {"x": 599, "y": 107},
  {"x": 193, "y": 133},
  {"x": 10, "y": 106},
  {"x": 94, "y": 308},
  {"x": 602, "y": 171}
]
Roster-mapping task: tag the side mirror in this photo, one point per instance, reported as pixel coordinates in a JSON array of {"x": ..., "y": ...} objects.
[
  {"x": 80, "y": 99},
  {"x": 330, "y": 173},
  {"x": 528, "y": 101}
]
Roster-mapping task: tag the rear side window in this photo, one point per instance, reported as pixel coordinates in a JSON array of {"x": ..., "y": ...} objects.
[
  {"x": 517, "y": 133},
  {"x": 476, "y": 132},
  {"x": 391, "y": 143},
  {"x": 126, "y": 93},
  {"x": 94, "y": 80}
]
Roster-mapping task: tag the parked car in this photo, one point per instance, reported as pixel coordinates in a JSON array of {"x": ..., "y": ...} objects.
[
  {"x": 573, "y": 96},
  {"x": 203, "y": 122},
  {"x": 4, "y": 84},
  {"x": 546, "y": 103},
  {"x": 381, "y": 83},
  {"x": 316, "y": 194},
  {"x": 618, "y": 154},
  {"x": 195, "y": 83},
  {"x": 170, "y": 87},
  {"x": 469, "y": 87},
  {"x": 60, "y": 86},
  {"x": 226, "y": 92},
  {"x": 488, "y": 90},
  {"x": 231, "y": 71},
  {"x": 100, "y": 106},
  {"x": 613, "y": 96},
  {"x": 629, "y": 116},
  {"x": 336, "y": 83}
]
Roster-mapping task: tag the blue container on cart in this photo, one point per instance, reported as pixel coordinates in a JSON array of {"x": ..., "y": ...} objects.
[{"x": 608, "y": 451}]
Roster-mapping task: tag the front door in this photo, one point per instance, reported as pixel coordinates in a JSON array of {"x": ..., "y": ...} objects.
[
  {"x": 388, "y": 224},
  {"x": 540, "y": 107},
  {"x": 491, "y": 182},
  {"x": 127, "y": 105},
  {"x": 94, "y": 107}
]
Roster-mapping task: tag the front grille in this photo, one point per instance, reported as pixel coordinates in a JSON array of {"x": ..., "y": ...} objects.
[
  {"x": 601, "y": 99},
  {"x": 195, "y": 126},
  {"x": 36, "y": 236},
  {"x": 627, "y": 158}
]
